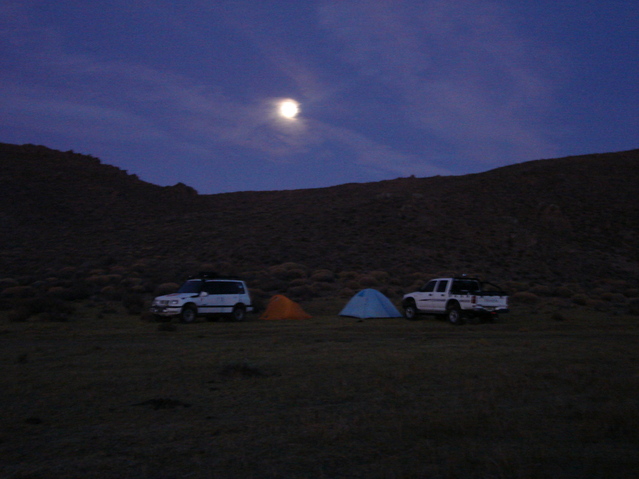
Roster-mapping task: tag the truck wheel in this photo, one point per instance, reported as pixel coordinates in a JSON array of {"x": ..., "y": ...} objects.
[
  {"x": 188, "y": 314},
  {"x": 410, "y": 310},
  {"x": 239, "y": 313},
  {"x": 454, "y": 314}
]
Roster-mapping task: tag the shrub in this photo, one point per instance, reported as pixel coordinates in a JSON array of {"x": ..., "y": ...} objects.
[
  {"x": 98, "y": 279},
  {"x": 380, "y": 276},
  {"x": 557, "y": 316},
  {"x": 564, "y": 292},
  {"x": 7, "y": 283},
  {"x": 46, "y": 308},
  {"x": 133, "y": 303},
  {"x": 516, "y": 286},
  {"x": 541, "y": 290},
  {"x": 300, "y": 292},
  {"x": 368, "y": 281},
  {"x": 288, "y": 271},
  {"x": 132, "y": 281},
  {"x": 166, "y": 288},
  {"x": 67, "y": 272},
  {"x": 71, "y": 293},
  {"x": 524, "y": 297},
  {"x": 614, "y": 297},
  {"x": 323, "y": 275},
  {"x": 19, "y": 314},
  {"x": 111, "y": 293},
  {"x": 347, "y": 275},
  {"x": 18, "y": 292},
  {"x": 580, "y": 299}
]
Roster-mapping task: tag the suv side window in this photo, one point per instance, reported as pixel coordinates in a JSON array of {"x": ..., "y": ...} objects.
[
  {"x": 441, "y": 286},
  {"x": 430, "y": 287},
  {"x": 211, "y": 287},
  {"x": 224, "y": 287},
  {"x": 231, "y": 287}
]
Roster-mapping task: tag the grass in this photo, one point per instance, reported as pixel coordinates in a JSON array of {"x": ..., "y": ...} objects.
[{"x": 108, "y": 395}]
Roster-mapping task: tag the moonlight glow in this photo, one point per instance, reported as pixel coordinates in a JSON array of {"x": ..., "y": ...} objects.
[{"x": 289, "y": 109}]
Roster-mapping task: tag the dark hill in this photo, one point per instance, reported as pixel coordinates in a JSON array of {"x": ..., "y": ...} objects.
[{"x": 568, "y": 220}]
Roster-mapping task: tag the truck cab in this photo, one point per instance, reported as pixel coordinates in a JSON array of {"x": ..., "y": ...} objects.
[{"x": 458, "y": 298}]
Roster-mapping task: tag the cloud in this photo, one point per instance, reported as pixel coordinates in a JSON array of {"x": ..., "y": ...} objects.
[
  {"x": 412, "y": 89},
  {"x": 461, "y": 71}
]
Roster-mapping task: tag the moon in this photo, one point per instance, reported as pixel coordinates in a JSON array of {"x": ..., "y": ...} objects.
[{"x": 289, "y": 109}]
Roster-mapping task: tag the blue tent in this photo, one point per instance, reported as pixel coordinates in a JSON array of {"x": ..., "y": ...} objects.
[{"x": 370, "y": 303}]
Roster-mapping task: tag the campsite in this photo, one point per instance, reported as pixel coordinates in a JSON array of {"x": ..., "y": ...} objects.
[
  {"x": 108, "y": 394},
  {"x": 92, "y": 387}
]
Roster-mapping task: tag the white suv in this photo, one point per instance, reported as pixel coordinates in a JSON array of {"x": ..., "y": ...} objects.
[{"x": 205, "y": 296}]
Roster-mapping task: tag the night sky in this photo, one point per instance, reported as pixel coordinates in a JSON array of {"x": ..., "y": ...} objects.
[{"x": 189, "y": 92}]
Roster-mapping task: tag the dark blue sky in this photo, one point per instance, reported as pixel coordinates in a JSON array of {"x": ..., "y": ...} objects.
[{"x": 187, "y": 91}]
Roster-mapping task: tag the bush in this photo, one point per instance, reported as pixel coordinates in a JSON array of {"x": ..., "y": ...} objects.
[
  {"x": 166, "y": 288},
  {"x": 323, "y": 276},
  {"x": 300, "y": 292},
  {"x": 516, "y": 286},
  {"x": 558, "y": 316},
  {"x": 524, "y": 297},
  {"x": 564, "y": 292},
  {"x": 18, "y": 292},
  {"x": 46, "y": 308},
  {"x": 19, "y": 314},
  {"x": 368, "y": 281},
  {"x": 111, "y": 293},
  {"x": 633, "y": 307},
  {"x": 288, "y": 271},
  {"x": 133, "y": 303},
  {"x": 580, "y": 299},
  {"x": 7, "y": 283},
  {"x": 541, "y": 290},
  {"x": 614, "y": 297}
]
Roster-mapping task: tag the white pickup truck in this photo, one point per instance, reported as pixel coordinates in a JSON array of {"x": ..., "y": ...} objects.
[{"x": 458, "y": 298}]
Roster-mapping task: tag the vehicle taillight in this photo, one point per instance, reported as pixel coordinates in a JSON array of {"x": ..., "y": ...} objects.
[{"x": 473, "y": 300}]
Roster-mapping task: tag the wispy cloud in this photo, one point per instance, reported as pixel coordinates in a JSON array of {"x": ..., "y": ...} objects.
[
  {"x": 460, "y": 70},
  {"x": 457, "y": 78}
]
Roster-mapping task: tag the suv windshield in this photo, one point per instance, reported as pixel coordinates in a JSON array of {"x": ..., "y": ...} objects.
[{"x": 192, "y": 286}]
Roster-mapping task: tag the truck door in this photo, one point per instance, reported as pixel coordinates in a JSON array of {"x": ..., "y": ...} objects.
[
  {"x": 440, "y": 296},
  {"x": 425, "y": 296}
]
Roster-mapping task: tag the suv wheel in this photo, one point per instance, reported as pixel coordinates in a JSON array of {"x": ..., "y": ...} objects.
[
  {"x": 188, "y": 314},
  {"x": 410, "y": 310},
  {"x": 239, "y": 313}
]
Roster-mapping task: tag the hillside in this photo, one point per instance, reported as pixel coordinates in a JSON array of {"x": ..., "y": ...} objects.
[{"x": 549, "y": 222}]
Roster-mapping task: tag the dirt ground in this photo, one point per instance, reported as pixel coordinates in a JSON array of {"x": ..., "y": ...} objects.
[{"x": 112, "y": 396}]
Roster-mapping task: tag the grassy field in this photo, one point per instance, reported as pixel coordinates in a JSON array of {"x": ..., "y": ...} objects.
[{"x": 109, "y": 395}]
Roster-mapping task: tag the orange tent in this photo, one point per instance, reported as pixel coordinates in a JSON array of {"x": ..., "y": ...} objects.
[{"x": 280, "y": 307}]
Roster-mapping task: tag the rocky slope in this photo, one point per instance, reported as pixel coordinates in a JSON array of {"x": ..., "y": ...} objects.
[{"x": 550, "y": 222}]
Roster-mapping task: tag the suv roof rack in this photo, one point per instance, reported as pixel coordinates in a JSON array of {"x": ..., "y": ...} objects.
[
  {"x": 212, "y": 275},
  {"x": 207, "y": 275}
]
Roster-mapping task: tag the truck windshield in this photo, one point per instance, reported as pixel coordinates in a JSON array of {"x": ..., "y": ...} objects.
[{"x": 193, "y": 286}]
